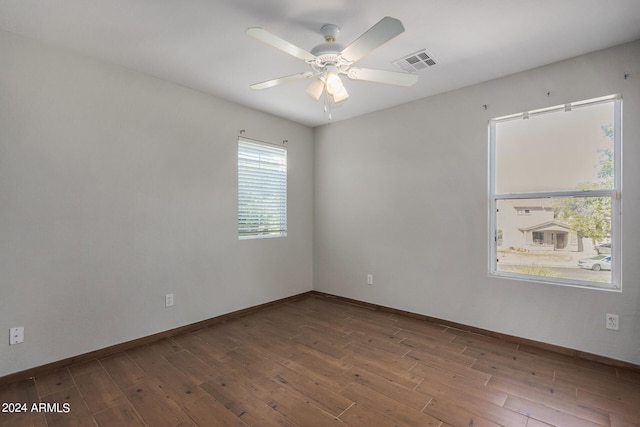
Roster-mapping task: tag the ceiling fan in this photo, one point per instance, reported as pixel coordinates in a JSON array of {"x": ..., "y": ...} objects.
[{"x": 329, "y": 60}]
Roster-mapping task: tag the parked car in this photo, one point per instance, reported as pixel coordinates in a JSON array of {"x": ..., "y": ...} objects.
[
  {"x": 596, "y": 263},
  {"x": 605, "y": 248}
]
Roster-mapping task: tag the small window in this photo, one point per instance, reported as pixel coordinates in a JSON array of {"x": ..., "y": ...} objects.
[
  {"x": 555, "y": 194},
  {"x": 262, "y": 190}
]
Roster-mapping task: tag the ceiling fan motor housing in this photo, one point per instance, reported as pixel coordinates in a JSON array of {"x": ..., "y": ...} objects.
[
  {"x": 330, "y": 32},
  {"x": 327, "y": 49},
  {"x": 329, "y": 53}
]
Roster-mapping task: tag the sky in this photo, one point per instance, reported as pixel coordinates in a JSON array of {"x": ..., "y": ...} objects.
[{"x": 553, "y": 151}]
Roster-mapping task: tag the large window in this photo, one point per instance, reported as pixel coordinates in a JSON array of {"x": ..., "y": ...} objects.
[
  {"x": 555, "y": 194},
  {"x": 262, "y": 190}
]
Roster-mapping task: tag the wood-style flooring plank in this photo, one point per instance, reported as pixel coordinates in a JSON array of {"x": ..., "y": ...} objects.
[
  {"x": 300, "y": 411},
  {"x": 332, "y": 346},
  {"x": 601, "y": 384},
  {"x": 85, "y": 367},
  {"x": 439, "y": 357},
  {"x": 624, "y": 421},
  {"x": 408, "y": 396},
  {"x": 174, "y": 384},
  {"x": 418, "y": 326},
  {"x": 154, "y": 406},
  {"x": 78, "y": 412},
  {"x": 24, "y": 394},
  {"x": 207, "y": 411},
  {"x": 507, "y": 368},
  {"x": 455, "y": 415},
  {"x": 448, "y": 399},
  {"x": 374, "y": 317},
  {"x": 54, "y": 382},
  {"x": 367, "y": 326},
  {"x": 628, "y": 375},
  {"x": 194, "y": 369},
  {"x": 122, "y": 370},
  {"x": 625, "y": 409},
  {"x": 430, "y": 338},
  {"x": 318, "y": 366},
  {"x": 477, "y": 341},
  {"x": 23, "y": 419},
  {"x": 121, "y": 415},
  {"x": 218, "y": 337},
  {"x": 388, "y": 343},
  {"x": 546, "y": 414},
  {"x": 390, "y": 373},
  {"x": 239, "y": 400},
  {"x": 312, "y": 391},
  {"x": 322, "y": 327},
  {"x": 266, "y": 341},
  {"x": 440, "y": 382},
  {"x": 391, "y": 408},
  {"x": 322, "y": 361},
  {"x": 202, "y": 350},
  {"x": 535, "y": 423},
  {"x": 393, "y": 360},
  {"x": 553, "y": 398},
  {"x": 361, "y": 416},
  {"x": 99, "y": 390},
  {"x": 448, "y": 368}
]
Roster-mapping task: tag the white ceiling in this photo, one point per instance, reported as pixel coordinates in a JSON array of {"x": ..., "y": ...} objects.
[{"x": 202, "y": 44}]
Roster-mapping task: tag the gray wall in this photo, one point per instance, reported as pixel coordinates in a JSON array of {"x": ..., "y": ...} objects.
[
  {"x": 117, "y": 188},
  {"x": 402, "y": 194}
]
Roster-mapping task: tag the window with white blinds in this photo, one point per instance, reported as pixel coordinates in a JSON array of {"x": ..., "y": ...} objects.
[{"x": 262, "y": 190}]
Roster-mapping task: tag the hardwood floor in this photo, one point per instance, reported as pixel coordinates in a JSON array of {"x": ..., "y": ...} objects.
[{"x": 317, "y": 362}]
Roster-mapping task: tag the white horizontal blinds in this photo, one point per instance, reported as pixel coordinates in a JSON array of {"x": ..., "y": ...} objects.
[{"x": 262, "y": 190}]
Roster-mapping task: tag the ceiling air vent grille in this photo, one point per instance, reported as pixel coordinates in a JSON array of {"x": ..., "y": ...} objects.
[{"x": 415, "y": 62}]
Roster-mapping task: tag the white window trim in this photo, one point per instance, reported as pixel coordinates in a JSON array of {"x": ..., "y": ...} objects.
[
  {"x": 269, "y": 233},
  {"x": 615, "y": 194}
]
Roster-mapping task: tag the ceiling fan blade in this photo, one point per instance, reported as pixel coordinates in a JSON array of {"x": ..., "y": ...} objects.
[
  {"x": 282, "y": 80},
  {"x": 382, "y": 76},
  {"x": 386, "y": 29},
  {"x": 272, "y": 40}
]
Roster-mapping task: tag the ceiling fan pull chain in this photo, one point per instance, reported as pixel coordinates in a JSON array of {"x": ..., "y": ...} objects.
[{"x": 327, "y": 106}]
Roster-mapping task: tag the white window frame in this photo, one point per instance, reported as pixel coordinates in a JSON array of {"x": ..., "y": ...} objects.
[
  {"x": 615, "y": 194},
  {"x": 262, "y": 181}
]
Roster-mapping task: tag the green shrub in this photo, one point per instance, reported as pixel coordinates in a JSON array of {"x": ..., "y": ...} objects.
[{"x": 536, "y": 270}]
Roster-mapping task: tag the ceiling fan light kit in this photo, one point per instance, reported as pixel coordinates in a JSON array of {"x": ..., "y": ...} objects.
[
  {"x": 334, "y": 85},
  {"x": 330, "y": 59},
  {"x": 315, "y": 89}
]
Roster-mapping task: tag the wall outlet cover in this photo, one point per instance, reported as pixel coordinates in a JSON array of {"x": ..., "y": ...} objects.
[
  {"x": 168, "y": 300},
  {"x": 612, "y": 322},
  {"x": 16, "y": 335}
]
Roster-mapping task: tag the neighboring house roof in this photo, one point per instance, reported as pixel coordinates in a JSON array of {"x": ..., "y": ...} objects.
[
  {"x": 547, "y": 226},
  {"x": 526, "y": 204}
]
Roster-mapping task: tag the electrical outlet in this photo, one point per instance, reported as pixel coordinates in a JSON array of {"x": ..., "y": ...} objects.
[
  {"x": 168, "y": 300},
  {"x": 16, "y": 335},
  {"x": 369, "y": 279},
  {"x": 612, "y": 322}
]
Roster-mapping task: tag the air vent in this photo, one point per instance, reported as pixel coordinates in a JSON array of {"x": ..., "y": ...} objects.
[{"x": 415, "y": 62}]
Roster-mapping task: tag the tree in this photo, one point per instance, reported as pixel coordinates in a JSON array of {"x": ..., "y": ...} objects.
[{"x": 591, "y": 216}]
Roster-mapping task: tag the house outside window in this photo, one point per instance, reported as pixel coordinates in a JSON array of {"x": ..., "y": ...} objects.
[{"x": 547, "y": 222}]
